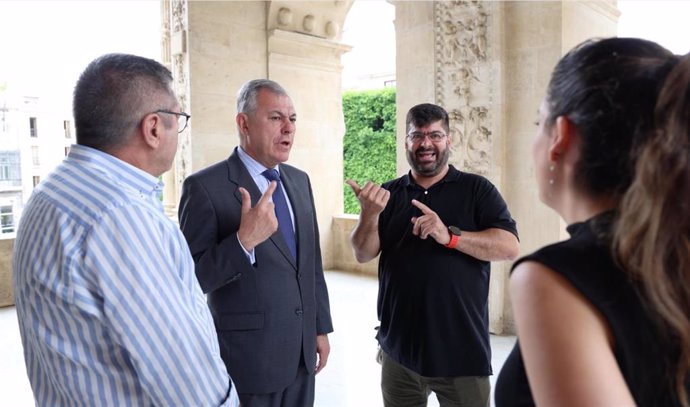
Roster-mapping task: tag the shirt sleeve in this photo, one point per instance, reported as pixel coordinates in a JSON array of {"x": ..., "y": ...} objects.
[
  {"x": 251, "y": 256},
  {"x": 492, "y": 210},
  {"x": 155, "y": 308}
]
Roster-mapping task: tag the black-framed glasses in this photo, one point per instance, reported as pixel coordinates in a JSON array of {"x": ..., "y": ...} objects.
[
  {"x": 434, "y": 136},
  {"x": 182, "y": 118}
]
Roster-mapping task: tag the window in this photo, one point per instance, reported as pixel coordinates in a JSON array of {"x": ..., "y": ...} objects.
[
  {"x": 33, "y": 126},
  {"x": 68, "y": 128},
  {"x": 34, "y": 155},
  {"x": 6, "y": 219},
  {"x": 10, "y": 169},
  {"x": 36, "y": 179},
  {"x": 4, "y": 128}
]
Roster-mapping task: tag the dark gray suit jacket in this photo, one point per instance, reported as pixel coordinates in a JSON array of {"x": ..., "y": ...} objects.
[{"x": 267, "y": 315}]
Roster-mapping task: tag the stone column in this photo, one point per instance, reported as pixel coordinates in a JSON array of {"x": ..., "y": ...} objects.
[
  {"x": 175, "y": 56},
  {"x": 215, "y": 47},
  {"x": 488, "y": 64},
  {"x": 536, "y": 35},
  {"x": 304, "y": 55}
]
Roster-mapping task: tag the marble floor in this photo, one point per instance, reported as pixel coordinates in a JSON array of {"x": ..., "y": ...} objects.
[{"x": 350, "y": 379}]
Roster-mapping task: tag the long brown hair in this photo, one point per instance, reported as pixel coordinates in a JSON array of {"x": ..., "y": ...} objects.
[{"x": 652, "y": 235}]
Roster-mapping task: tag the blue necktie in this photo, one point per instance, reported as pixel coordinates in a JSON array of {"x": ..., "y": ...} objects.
[{"x": 282, "y": 211}]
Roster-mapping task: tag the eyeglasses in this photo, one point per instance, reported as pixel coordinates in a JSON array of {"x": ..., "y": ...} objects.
[
  {"x": 182, "y": 118},
  {"x": 434, "y": 136}
]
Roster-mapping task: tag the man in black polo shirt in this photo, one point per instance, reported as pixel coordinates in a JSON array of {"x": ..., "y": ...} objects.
[{"x": 437, "y": 230}]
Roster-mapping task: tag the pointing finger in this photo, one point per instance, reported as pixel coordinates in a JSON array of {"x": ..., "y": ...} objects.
[
  {"x": 355, "y": 187},
  {"x": 269, "y": 192},
  {"x": 246, "y": 200},
  {"x": 425, "y": 209}
]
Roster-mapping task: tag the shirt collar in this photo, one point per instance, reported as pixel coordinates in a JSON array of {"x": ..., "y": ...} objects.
[
  {"x": 452, "y": 175},
  {"x": 254, "y": 167},
  {"x": 118, "y": 171}
]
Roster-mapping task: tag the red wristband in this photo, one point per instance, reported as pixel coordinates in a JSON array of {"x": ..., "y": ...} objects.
[{"x": 453, "y": 241}]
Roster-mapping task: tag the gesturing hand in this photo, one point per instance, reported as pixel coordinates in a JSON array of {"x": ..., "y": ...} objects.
[
  {"x": 429, "y": 224},
  {"x": 372, "y": 198},
  {"x": 258, "y": 223}
]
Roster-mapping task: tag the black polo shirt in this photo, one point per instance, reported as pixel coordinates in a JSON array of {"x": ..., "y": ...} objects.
[{"x": 432, "y": 300}]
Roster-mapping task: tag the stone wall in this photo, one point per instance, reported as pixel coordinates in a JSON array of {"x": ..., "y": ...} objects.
[
  {"x": 488, "y": 63},
  {"x": 6, "y": 293},
  {"x": 214, "y": 47},
  {"x": 343, "y": 256}
]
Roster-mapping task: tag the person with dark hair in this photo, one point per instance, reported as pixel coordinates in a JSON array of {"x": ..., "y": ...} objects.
[
  {"x": 250, "y": 223},
  {"x": 603, "y": 318},
  {"x": 651, "y": 237},
  {"x": 437, "y": 229},
  {"x": 110, "y": 312}
]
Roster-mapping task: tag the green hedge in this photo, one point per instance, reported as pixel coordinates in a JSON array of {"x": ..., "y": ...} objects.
[{"x": 369, "y": 144}]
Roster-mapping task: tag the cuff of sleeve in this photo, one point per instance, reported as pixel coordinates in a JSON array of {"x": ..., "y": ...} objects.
[{"x": 250, "y": 255}]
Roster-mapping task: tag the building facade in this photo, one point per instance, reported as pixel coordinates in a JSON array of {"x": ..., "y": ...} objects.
[
  {"x": 35, "y": 135},
  {"x": 486, "y": 62}
]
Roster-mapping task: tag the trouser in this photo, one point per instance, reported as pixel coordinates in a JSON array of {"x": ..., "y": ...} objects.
[
  {"x": 401, "y": 387},
  {"x": 299, "y": 394}
]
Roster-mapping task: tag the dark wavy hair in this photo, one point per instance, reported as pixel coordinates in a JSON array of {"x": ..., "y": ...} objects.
[
  {"x": 652, "y": 236},
  {"x": 608, "y": 89},
  {"x": 630, "y": 98}
]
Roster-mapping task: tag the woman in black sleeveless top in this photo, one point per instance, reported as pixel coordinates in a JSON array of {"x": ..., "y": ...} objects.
[{"x": 603, "y": 318}]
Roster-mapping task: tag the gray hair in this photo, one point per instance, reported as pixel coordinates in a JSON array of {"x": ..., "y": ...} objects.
[{"x": 246, "y": 96}]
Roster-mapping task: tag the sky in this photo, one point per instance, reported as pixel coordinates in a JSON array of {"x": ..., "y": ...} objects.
[
  {"x": 664, "y": 21},
  {"x": 44, "y": 44},
  {"x": 369, "y": 28}
]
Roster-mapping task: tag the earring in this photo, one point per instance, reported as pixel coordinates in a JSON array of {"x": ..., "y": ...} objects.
[{"x": 551, "y": 168}]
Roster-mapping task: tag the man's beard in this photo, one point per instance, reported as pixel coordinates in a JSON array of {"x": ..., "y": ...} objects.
[{"x": 428, "y": 169}]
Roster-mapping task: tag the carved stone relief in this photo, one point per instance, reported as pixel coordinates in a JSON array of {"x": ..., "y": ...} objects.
[
  {"x": 180, "y": 70},
  {"x": 463, "y": 80},
  {"x": 165, "y": 34}
]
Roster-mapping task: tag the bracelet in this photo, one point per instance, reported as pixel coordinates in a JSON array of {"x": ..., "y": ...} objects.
[{"x": 453, "y": 241}]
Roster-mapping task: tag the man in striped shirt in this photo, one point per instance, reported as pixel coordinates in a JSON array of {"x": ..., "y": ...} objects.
[{"x": 109, "y": 308}]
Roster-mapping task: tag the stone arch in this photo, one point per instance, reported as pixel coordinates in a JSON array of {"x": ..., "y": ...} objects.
[
  {"x": 214, "y": 47},
  {"x": 486, "y": 62}
]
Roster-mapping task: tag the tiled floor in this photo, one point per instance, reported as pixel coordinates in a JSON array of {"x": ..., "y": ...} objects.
[
  {"x": 14, "y": 385},
  {"x": 351, "y": 378}
]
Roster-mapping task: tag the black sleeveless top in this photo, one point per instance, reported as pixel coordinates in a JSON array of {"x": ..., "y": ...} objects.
[{"x": 586, "y": 262}]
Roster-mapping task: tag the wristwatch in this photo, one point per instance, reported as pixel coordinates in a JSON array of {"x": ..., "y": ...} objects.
[{"x": 455, "y": 234}]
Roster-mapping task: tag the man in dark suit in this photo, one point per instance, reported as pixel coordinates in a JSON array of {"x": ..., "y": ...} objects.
[{"x": 255, "y": 243}]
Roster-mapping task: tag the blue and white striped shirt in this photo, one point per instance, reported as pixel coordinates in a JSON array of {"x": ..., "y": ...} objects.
[{"x": 109, "y": 308}]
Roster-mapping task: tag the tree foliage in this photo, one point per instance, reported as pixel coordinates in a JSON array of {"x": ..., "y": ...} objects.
[{"x": 369, "y": 144}]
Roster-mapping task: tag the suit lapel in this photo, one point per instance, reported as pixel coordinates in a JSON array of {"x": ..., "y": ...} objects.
[{"x": 240, "y": 177}]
